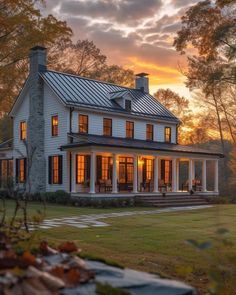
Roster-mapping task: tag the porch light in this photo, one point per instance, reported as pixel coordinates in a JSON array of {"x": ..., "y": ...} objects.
[{"x": 140, "y": 161}]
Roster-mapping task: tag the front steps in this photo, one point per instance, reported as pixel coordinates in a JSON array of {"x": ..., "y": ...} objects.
[{"x": 170, "y": 201}]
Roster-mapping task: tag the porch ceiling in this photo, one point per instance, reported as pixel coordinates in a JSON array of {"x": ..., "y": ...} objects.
[{"x": 82, "y": 140}]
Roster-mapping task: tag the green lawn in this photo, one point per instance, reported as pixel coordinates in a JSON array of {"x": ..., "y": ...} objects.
[{"x": 156, "y": 242}]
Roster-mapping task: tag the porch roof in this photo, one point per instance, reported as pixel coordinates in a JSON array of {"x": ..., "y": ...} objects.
[{"x": 81, "y": 140}]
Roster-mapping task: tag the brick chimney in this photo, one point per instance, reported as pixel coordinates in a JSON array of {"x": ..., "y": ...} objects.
[
  {"x": 35, "y": 125},
  {"x": 142, "y": 82}
]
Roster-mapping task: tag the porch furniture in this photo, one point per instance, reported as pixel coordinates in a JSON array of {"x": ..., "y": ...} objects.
[
  {"x": 196, "y": 185},
  {"x": 161, "y": 185},
  {"x": 125, "y": 186},
  {"x": 146, "y": 186},
  {"x": 105, "y": 185}
]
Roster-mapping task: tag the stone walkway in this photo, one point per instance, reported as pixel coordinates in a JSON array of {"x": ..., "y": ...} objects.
[{"x": 94, "y": 220}]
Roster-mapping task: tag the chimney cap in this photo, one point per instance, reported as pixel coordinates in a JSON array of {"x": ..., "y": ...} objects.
[
  {"x": 37, "y": 47},
  {"x": 142, "y": 74}
]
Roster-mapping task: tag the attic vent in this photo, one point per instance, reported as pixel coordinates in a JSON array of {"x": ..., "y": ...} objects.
[{"x": 128, "y": 105}]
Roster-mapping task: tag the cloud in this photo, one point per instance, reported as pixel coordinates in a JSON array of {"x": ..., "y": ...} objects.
[
  {"x": 126, "y": 11},
  {"x": 136, "y": 34},
  {"x": 183, "y": 3}
]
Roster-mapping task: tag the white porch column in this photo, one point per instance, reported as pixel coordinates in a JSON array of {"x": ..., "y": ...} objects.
[
  {"x": 114, "y": 174},
  {"x": 92, "y": 173},
  {"x": 204, "y": 187},
  {"x": 135, "y": 180},
  {"x": 174, "y": 178},
  {"x": 177, "y": 175},
  {"x": 216, "y": 182},
  {"x": 190, "y": 175},
  {"x": 156, "y": 174},
  {"x": 73, "y": 172}
]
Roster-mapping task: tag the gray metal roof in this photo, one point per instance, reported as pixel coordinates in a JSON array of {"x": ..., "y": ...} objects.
[
  {"x": 98, "y": 140},
  {"x": 80, "y": 91}
]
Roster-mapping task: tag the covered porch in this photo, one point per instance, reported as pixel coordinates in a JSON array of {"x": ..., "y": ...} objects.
[
  {"x": 97, "y": 172},
  {"x": 103, "y": 165}
]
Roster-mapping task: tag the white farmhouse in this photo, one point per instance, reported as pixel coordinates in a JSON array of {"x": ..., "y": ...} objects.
[{"x": 90, "y": 137}]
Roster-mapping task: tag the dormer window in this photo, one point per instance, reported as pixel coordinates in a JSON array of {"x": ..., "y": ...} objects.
[
  {"x": 128, "y": 105},
  {"x": 23, "y": 130}
]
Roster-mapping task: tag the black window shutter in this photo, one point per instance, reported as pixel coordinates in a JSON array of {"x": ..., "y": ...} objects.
[
  {"x": 87, "y": 161},
  {"x": 25, "y": 169},
  {"x": 17, "y": 170},
  {"x": 50, "y": 170},
  {"x": 110, "y": 168},
  {"x": 99, "y": 168},
  {"x": 60, "y": 158},
  {"x": 163, "y": 170}
]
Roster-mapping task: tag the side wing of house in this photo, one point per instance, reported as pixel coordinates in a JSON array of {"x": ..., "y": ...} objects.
[{"x": 55, "y": 113}]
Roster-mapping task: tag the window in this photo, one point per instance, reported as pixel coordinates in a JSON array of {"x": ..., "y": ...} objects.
[
  {"x": 21, "y": 170},
  {"x": 82, "y": 168},
  {"x": 149, "y": 169},
  {"x": 55, "y": 169},
  {"x": 149, "y": 132},
  {"x": 129, "y": 129},
  {"x": 107, "y": 127},
  {"x": 83, "y": 124},
  {"x": 23, "y": 130},
  {"x": 167, "y": 134},
  {"x": 128, "y": 105},
  {"x": 6, "y": 169},
  {"x": 55, "y": 125},
  {"x": 166, "y": 171}
]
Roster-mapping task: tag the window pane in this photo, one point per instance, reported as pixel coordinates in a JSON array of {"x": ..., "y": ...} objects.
[
  {"x": 167, "y": 134},
  {"x": 107, "y": 127},
  {"x": 55, "y": 125},
  {"x": 23, "y": 130},
  {"x": 55, "y": 169},
  {"x": 149, "y": 132},
  {"x": 21, "y": 170},
  {"x": 129, "y": 129},
  {"x": 83, "y": 123}
]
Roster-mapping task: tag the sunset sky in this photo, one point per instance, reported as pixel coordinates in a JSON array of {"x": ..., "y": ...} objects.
[{"x": 137, "y": 34}]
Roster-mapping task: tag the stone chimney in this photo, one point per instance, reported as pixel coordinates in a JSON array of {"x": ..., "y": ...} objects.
[
  {"x": 35, "y": 124},
  {"x": 142, "y": 82}
]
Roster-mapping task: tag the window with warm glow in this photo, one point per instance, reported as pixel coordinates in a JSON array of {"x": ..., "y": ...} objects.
[
  {"x": 55, "y": 125},
  {"x": 107, "y": 127},
  {"x": 149, "y": 132},
  {"x": 106, "y": 168},
  {"x": 149, "y": 169},
  {"x": 55, "y": 169},
  {"x": 23, "y": 130},
  {"x": 83, "y": 123},
  {"x": 167, "y": 171},
  {"x": 80, "y": 169},
  {"x": 22, "y": 170},
  {"x": 129, "y": 129},
  {"x": 167, "y": 134}
]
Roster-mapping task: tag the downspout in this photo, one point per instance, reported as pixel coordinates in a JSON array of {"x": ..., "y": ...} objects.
[{"x": 70, "y": 154}]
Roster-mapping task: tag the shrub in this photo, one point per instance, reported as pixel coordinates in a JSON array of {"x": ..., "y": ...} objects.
[{"x": 58, "y": 197}]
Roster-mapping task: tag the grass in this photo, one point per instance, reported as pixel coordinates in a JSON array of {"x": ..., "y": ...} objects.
[{"x": 155, "y": 242}]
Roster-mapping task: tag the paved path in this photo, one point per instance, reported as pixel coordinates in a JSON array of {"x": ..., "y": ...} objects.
[{"x": 94, "y": 220}]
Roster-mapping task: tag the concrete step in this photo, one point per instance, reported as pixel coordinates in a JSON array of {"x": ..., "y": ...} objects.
[{"x": 170, "y": 201}]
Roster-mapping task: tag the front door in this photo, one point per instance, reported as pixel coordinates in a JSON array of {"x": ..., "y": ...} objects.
[{"x": 126, "y": 173}]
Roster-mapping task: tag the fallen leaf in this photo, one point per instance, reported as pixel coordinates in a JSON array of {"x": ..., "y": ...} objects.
[
  {"x": 68, "y": 247},
  {"x": 46, "y": 250},
  {"x": 73, "y": 276},
  {"x": 28, "y": 258}
]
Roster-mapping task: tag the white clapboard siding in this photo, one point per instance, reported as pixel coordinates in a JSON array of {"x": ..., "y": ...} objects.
[
  {"x": 53, "y": 106},
  {"x": 95, "y": 123}
]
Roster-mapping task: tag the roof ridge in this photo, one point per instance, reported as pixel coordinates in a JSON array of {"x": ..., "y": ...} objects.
[{"x": 90, "y": 79}]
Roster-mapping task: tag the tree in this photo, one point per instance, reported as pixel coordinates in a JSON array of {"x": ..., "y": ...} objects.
[
  {"x": 22, "y": 27},
  {"x": 179, "y": 106},
  {"x": 86, "y": 60},
  {"x": 210, "y": 29}
]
